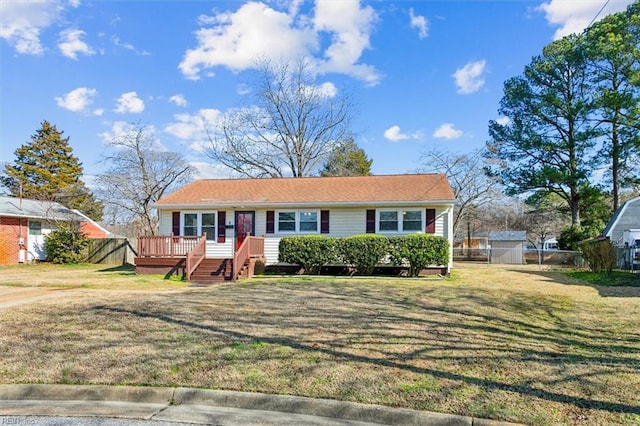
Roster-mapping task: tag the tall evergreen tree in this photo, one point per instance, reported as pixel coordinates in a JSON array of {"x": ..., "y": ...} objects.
[
  {"x": 547, "y": 143},
  {"x": 613, "y": 48},
  {"x": 348, "y": 159},
  {"x": 46, "y": 169}
]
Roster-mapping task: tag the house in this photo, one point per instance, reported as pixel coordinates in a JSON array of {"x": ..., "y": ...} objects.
[
  {"x": 507, "y": 246},
  {"x": 623, "y": 230},
  {"x": 262, "y": 211},
  {"x": 624, "y": 225},
  {"x": 24, "y": 223}
]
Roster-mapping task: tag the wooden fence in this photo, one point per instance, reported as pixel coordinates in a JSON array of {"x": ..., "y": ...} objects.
[{"x": 110, "y": 251}]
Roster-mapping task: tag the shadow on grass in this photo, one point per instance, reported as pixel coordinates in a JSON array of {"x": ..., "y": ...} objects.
[
  {"x": 126, "y": 269},
  {"x": 379, "y": 325},
  {"x": 604, "y": 290}
]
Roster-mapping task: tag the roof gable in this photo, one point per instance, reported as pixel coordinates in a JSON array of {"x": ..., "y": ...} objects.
[
  {"x": 416, "y": 188},
  {"x": 617, "y": 215}
]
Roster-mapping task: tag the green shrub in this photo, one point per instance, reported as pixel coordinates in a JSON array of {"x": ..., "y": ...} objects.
[
  {"x": 571, "y": 237},
  {"x": 363, "y": 252},
  {"x": 311, "y": 252},
  {"x": 419, "y": 251},
  {"x": 601, "y": 256},
  {"x": 65, "y": 245}
]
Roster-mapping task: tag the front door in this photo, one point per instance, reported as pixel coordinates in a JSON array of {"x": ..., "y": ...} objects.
[{"x": 245, "y": 225}]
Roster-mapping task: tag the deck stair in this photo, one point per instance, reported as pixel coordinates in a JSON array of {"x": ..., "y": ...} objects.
[{"x": 212, "y": 271}]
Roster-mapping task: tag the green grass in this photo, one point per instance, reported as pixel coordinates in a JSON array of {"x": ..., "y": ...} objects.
[
  {"x": 613, "y": 279},
  {"x": 524, "y": 345}
]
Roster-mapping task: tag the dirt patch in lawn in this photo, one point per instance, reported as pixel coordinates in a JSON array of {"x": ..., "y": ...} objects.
[{"x": 489, "y": 342}]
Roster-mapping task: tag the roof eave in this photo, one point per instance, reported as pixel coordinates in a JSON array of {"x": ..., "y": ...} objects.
[{"x": 306, "y": 205}]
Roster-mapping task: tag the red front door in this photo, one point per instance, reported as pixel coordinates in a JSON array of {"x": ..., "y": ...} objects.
[{"x": 244, "y": 226}]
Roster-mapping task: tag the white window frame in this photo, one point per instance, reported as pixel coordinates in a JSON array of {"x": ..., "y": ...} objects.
[
  {"x": 210, "y": 238},
  {"x": 297, "y": 214},
  {"x": 400, "y": 224}
]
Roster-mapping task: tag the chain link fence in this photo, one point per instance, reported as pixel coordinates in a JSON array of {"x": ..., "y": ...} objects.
[{"x": 518, "y": 256}]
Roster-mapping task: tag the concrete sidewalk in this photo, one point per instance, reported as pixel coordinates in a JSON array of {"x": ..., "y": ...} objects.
[{"x": 19, "y": 404}]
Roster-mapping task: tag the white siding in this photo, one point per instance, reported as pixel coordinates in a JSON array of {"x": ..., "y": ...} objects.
[
  {"x": 343, "y": 222},
  {"x": 165, "y": 222}
]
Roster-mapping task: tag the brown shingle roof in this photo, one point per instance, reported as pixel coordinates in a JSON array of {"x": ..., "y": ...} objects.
[{"x": 313, "y": 191}]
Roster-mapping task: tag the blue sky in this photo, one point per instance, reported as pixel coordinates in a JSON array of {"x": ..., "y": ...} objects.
[{"x": 423, "y": 74}]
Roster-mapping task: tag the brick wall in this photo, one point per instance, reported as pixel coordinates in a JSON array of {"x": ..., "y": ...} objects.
[{"x": 10, "y": 230}]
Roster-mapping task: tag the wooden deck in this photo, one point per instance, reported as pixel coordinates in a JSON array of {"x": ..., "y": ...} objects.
[{"x": 186, "y": 256}]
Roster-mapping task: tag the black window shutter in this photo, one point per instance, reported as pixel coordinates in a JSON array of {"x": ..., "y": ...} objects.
[
  {"x": 175, "y": 223},
  {"x": 271, "y": 221},
  {"x": 371, "y": 221},
  {"x": 222, "y": 229},
  {"x": 430, "y": 227},
  {"x": 324, "y": 221}
]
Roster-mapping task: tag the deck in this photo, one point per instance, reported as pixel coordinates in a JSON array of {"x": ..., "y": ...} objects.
[{"x": 186, "y": 256}]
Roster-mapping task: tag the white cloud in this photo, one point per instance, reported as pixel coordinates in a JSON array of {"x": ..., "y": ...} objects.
[
  {"x": 194, "y": 127},
  {"x": 128, "y": 46},
  {"x": 236, "y": 40},
  {"x": 179, "y": 100},
  {"x": 394, "y": 134},
  {"x": 123, "y": 129},
  {"x": 420, "y": 23},
  {"x": 70, "y": 43},
  {"x": 243, "y": 89},
  {"x": 350, "y": 26},
  {"x": 211, "y": 171},
  {"x": 575, "y": 16},
  {"x": 22, "y": 21},
  {"x": 447, "y": 131},
  {"x": 78, "y": 100},
  {"x": 503, "y": 121},
  {"x": 129, "y": 102},
  {"x": 469, "y": 79}
]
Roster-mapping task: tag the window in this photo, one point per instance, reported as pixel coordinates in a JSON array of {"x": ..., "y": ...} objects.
[
  {"x": 412, "y": 221},
  {"x": 195, "y": 224},
  {"x": 308, "y": 221},
  {"x": 400, "y": 221},
  {"x": 299, "y": 221},
  {"x": 35, "y": 227},
  {"x": 209, "y": 225},
  {"x": 287, "y": 221},
  {"x": 388, "y": 221},
  {"x": 190, "y": 227}
]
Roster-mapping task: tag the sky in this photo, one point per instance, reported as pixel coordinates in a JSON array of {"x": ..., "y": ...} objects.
[{"x": 422, "y": 74}]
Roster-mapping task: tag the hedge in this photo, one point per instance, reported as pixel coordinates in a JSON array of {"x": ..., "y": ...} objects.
[
  {"x": 364, "y": 252},
  {"x": 311, "y": 252},
  {"x": 419, "y": 251}
]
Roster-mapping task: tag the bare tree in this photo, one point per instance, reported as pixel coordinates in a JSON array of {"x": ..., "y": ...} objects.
[
  {"x": 292, "y": 128},
  {"x": 139, "y": 174},
  {"x": 471, "y": 186}
]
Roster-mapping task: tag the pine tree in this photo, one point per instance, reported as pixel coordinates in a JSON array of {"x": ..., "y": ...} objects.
[
  {"x": 347, "y": 159},
  {"x": 46, "y": 169}
]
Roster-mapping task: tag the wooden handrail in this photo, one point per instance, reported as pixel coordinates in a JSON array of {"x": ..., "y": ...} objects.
[
  {"x": 250, "y": 247},
  {"x": 196, "y": 256},
  {"x": 166, "y": 245}
]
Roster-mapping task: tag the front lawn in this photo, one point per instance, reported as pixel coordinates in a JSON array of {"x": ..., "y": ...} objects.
[{"x": 529, "y": 346}]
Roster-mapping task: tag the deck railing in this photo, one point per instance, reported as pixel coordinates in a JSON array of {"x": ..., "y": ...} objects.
[
  {"x": 250, "y": 247},
  {"x": 166, "y": 246},
  {"x": 196, "y": 256}
]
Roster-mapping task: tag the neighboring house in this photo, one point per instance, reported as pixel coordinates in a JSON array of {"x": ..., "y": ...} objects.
[
  {"x": 507, "y": 246},
  {"x": 624, "y": 225},
  {"x": 623, "y": 230},
  {"x": 228, "y": 210},
  {"x": 478, "y": 241},
  {"x": 24, "y": 223}
]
